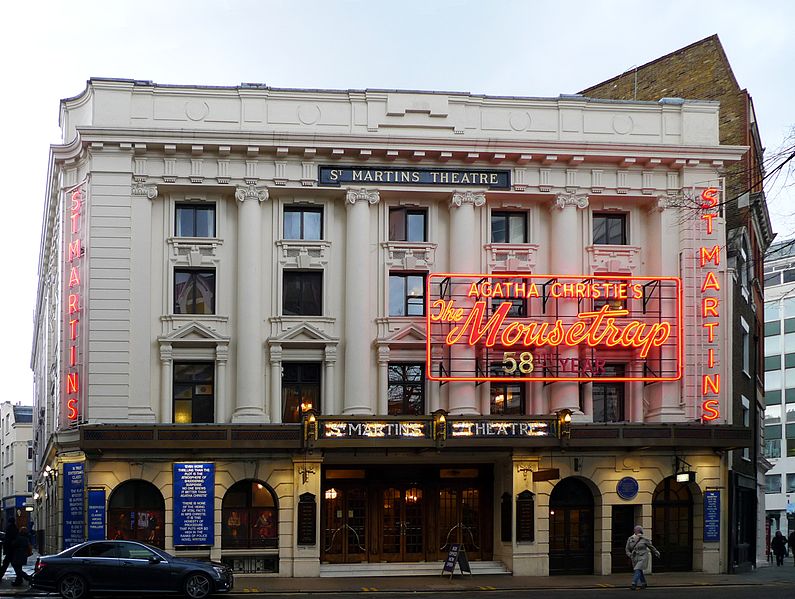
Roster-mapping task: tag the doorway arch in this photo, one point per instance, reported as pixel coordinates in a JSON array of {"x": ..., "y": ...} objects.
[
  {"x": 136, "y": 511},
  {"x": 571, "y": 528},
  {"x": 672, "y": 526}
]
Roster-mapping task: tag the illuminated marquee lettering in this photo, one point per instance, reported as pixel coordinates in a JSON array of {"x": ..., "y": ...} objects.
[
  {"x": 478, "y": 311},
  {"x": 74, "y": 257},
  {"x": 710, "y": 307}
]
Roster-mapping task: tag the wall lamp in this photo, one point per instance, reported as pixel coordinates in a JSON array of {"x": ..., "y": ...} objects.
[{"x": 564, "y": 423}]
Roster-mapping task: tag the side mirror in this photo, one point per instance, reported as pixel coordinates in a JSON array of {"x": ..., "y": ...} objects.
[{"x": 155, "y": 559}]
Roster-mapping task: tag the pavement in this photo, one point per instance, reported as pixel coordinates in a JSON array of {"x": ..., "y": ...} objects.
[{"x": 765, "y": 575}]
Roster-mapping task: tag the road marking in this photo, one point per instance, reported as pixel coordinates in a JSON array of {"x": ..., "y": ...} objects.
[
  {"x": 606, "y": 586},
  {"x": 369, "y": 589},
  {"x": 487, "y": 588}
]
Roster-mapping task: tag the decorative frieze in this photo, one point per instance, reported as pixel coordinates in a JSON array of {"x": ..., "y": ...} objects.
[
  {"x": 409, "y": 256},
  {"x": 142, "y": 190},
  {"x": 303, "y": 254},
  {"x": 563, "y": 200},
  {"x": 251, "y": 192},
  {"x": 613, "y": 258},
  {"x": 511, "y": 257}
]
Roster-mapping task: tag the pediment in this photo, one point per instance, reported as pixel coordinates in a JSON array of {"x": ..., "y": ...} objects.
[
  {"x": 304, "y": 333},
  {"x": 193, "y": 332},
  {"x": 411, "y": 334}
]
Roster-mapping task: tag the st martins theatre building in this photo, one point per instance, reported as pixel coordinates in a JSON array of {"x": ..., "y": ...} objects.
[{"x": 308, "y": 332}]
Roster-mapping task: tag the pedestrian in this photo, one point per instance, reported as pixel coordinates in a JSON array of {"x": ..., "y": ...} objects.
[
  {"x": 639, "y": 550},
  {"x": 779, "y": 547},
  {"x": 11, "y": 534},
  {"x": 20, "y": 552},
  {"x": 791, "y": 542}
]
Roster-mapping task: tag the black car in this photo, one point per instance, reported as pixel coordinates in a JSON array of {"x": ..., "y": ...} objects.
[{"x": 127, "y": 566}]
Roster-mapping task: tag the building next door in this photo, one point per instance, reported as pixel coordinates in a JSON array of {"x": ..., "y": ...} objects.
[
  {"x": 672, "y": 526},
  {"x": 571, "y": 528},
  {"x": 402, "y": 524}
]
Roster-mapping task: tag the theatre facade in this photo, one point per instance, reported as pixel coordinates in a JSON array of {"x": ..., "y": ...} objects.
[{"x": 315, "y": 332}]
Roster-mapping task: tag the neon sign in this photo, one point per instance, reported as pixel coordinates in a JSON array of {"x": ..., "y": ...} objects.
[
  {"x": 74, "y": 259},
  {"x": 709, "y": 257},
  {"x": 522, "y": 323}
]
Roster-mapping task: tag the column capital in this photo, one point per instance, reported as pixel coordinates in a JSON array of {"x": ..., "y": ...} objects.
[
  {"x": 371, "y": 196},
  {"x": 140, "y": 189},
  {"x": 275, "y": 353},
  {"x": 251, "y": 192},
  {"x": 467, "y": 197},
  {"x": 222, "y": 352},
  {"x": 562, "y": 200},
  {"x": 383, "y": 354},
  {"x": 330, "y": 354},
  {"x": 166, "y": 352}
]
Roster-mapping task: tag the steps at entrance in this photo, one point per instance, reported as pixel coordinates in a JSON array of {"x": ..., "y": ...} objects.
[{"x": 404, "y": 569}]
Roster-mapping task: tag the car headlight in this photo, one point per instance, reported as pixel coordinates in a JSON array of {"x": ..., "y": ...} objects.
[{"x": 221, "y": 571}]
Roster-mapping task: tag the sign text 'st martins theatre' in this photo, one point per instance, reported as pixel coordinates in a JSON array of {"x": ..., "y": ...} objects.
[{"x": 486, "y": 327}]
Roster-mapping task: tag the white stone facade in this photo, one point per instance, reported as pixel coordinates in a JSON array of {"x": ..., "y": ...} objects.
[{"x": 139, "y": 151}]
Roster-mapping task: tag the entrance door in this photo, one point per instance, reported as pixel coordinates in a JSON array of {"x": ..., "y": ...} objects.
[
  {"x": 460, "y": 520},
  {"x": 345, "y": 524},
  {"x": 623, "y": 525},
  {"x": 571, "y": 521},
  {"x": 402, "y": 524},
  {"x": 672, "y": 528}
]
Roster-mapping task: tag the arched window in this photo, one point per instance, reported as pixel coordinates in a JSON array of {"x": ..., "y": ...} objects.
[
  {"x": 250, "y": 516},
  {"x": 136, "y": 511}
]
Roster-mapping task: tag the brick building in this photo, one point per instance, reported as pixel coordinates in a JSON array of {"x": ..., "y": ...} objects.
[{"x": 702, "y": 70}]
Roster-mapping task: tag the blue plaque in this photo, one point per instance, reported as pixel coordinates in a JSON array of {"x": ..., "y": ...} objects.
[
  {"x": 96, "y": 514},
  {"x": 194, "y": 498},
  {"x": 73, "y": 499},
  {"x": 711, "y": 516},
  {"x": 627, "y": 488}
]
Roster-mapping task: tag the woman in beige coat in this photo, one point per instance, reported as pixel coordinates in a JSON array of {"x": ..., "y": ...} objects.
[{"x": 639, "y": 550}]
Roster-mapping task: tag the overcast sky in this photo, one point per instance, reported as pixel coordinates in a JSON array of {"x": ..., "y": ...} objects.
[{"x": 498, "y": 47}]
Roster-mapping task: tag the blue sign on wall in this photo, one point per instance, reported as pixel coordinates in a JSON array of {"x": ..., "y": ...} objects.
[
  {"x": 711, "y": 516},
  {"x": 73, "y": 504},
  {"x": 194, "y": 496},
  {"x": 627, "y": 488},
  {"x": 96, "y": 514}
]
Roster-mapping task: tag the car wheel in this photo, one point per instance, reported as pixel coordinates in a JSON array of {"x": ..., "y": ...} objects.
[
  {"x": 198, "y": 586},
  {"x": 73, "y": 586}
]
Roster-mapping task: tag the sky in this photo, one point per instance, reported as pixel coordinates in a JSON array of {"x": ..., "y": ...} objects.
[{"x": 494, "y": 47}]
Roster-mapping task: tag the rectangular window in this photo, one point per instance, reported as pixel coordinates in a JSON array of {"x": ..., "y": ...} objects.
[
  {"x": 610, "y": 229},
  {"x": 303, "y": 293},
  {"x": 194, "y": 291},
  {"x": 195, "y": 220},
  {"x": 406, "y": 294},
  {"x": 300, "y": 389},
  {"x": 30, "y": 483},
  {"x": 773, "y": 483},
  {"x": 772, "y": 448},
  {"x": 773, "y": 415},
  {"x": 609, "y": 398},
  {"x": 194, "y": 392},
  {"x": 407, "y": 225},
  {"x": 303, "y": 222},
  {"x": 772, "y": 279},
  {"x": 773, "y": 362},
  {"x": 790, "y": 483},
  {"x": 746, "y": 346},
  {"x": 519, "y": 305},
  {"x": 30, "y": 450},
  {"x": 508, "y": 227},
  {"x": 771, "y": 311},
  {"x": 507, "y": 397},
  {"x": 406, "y": 393},
  {"x": 746, "y": 416}
]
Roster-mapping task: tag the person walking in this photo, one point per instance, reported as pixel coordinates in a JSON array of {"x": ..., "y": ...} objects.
[
  {"x": 20, "y": 551},
  {"x": 779, "y": 547},
  {"x": 639, "y": 550},
  {"x": 11, "y": 534}
]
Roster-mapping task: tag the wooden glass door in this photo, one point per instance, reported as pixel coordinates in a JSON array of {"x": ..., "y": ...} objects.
[
  {"x": 402, "y": 524},
  {"x": 672, "y": 526},
  {"x": 460, "y": 520},
  {"x": 571, "y": 524},
  {"x": 345, "y": 524}
]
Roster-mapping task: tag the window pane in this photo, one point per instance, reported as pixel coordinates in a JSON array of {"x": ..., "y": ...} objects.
[
  {"x": 499, "y": 224},
  {"x": 788, "y": 306},
  {"x": 790, "y": 416},
  {"x": 397, "y": 224},
  {"x": 205, "y": 221},
  {"x": 773, "y": 415},
  {"x": 789, "y": 325},
  {"x": 516, "y": 226},
  {"x": 185, "y": 223},
  {"x": 773, "y": 483},
  {"x": 194, "y": 291},
  {"x": 416, "y": 226},
  {"x": 194, "y": 399},
  {"x": 773, "y": 279},
  {"x": 791, "y": 485},
  {"x": 397, "y": 295},
  {"x": 771, "y": 311},
  {"x": 772, "y": 397},
  {"x": 415, "y": 300},
  {"x": 789, "y": 275},
  {"x": 302, "y": 293},
  {"x": 789, "y": 395},
  {"x": 772, "y": 448},
  {"x": 313, "y": 225},
  {"x": 789, "y": 343},
  {"x": 772, "y": 345},
  {"x": 773, "y": 362},
  {"x": 292, "y": 224},
  {"x": 773, "y": 380},
  {"x": 300, "y": 390}
]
